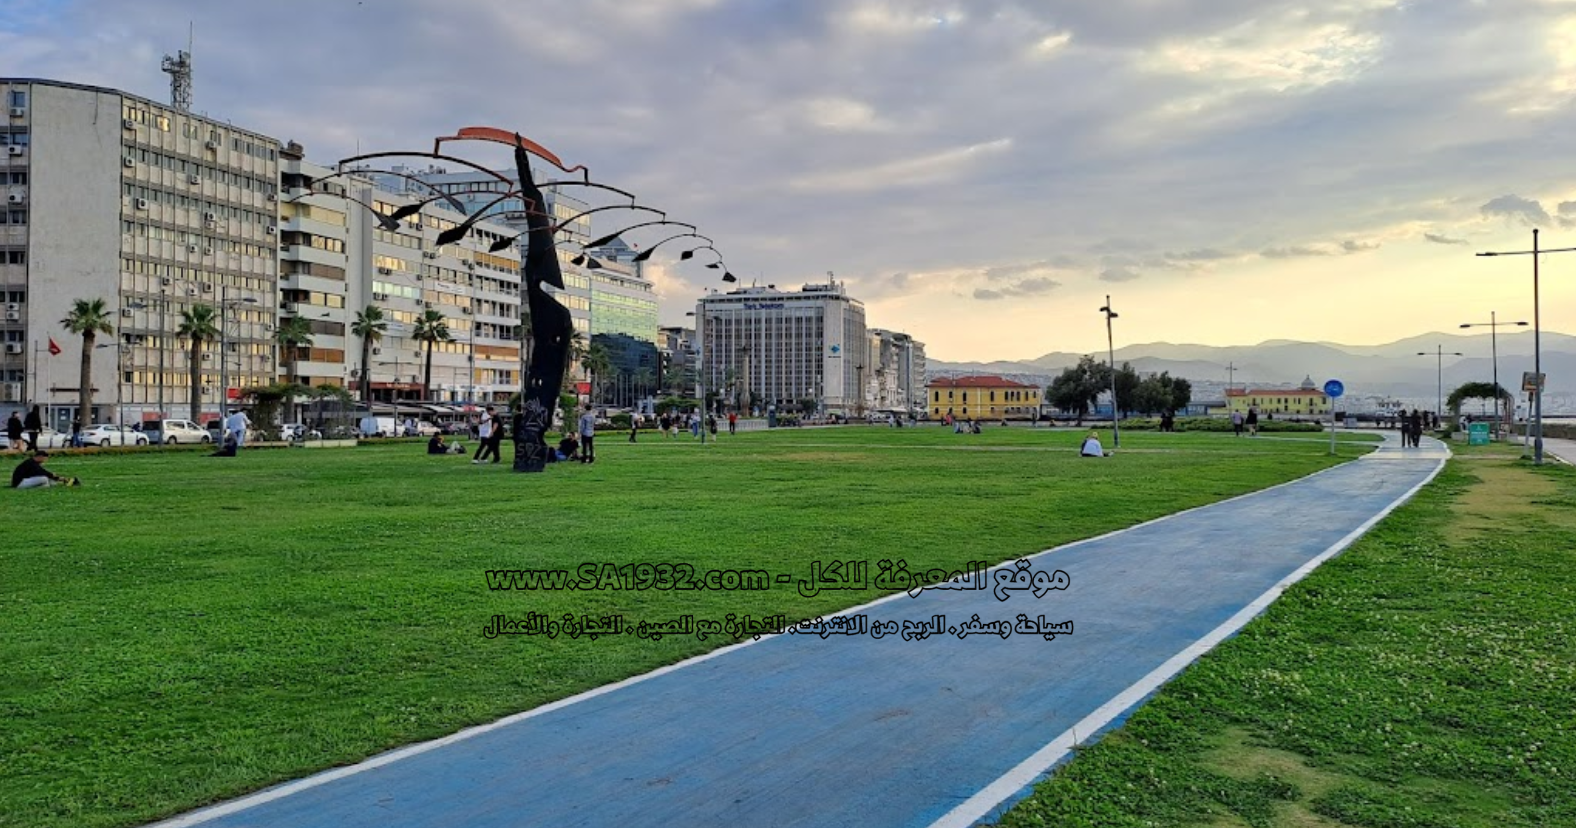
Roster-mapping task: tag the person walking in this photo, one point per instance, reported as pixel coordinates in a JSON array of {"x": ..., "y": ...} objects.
[
  {"x": 1236, "y": 423},
  {"x": 733, "y": 422},
  {"x": 484, "y": 433},
  {"x": 236, "y": 424},
  {"x": 33, "y": 425},
  {"x": 587, "y": 437},
  {"x": 694, "y": 424},
  {"x": 1417, "y": 429},
  {"x": 13, "y": 432},
  {"x": 634, "y": 427},
  {"x": 1252, "y": 421}
]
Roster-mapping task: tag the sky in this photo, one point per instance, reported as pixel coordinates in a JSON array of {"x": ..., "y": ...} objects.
[{"x": 981, "y": 174}]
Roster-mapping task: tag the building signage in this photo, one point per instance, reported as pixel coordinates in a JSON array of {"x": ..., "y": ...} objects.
[{"x": 764, "y": 305}]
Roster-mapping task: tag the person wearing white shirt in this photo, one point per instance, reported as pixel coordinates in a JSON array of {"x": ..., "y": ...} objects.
[
  {"x": 587, "y": 437},
  {"x": 236, "y": 425}
]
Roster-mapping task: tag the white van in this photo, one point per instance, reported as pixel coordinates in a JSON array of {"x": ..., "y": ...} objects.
[{"x": 377, "y": 427}]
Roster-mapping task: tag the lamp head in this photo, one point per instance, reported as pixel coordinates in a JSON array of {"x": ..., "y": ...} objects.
[
  {"x": 729, "y": 277},
  {"x": 501, "y": 244},
  {"x": 1488, "y": 254},
  {"x": 1464, "y": 325},
  {"x": 1521, "y": 324},
  {"x": 643, "y": 255},
  {"x": 593, "y": 264},
  {"x": 686, "y": 255}
]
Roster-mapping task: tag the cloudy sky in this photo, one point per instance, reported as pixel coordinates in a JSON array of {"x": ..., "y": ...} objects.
[{"x": 982, "y": 173}]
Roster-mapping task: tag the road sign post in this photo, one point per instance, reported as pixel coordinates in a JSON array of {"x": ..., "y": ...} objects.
[{"x": 1333, "y": 389}]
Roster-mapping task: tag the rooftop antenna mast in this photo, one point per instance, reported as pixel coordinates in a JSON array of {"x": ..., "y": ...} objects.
[{"x": 179, "y": 69}]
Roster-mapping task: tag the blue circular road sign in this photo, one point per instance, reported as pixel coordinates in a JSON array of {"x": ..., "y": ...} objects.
[{"x": 1334, "y": 389}]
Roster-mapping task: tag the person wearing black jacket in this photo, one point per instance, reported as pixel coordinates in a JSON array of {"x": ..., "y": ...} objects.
[
  {"x": 31, "y": 474},
  {"x": 13, "y": 432},
  {"x": 33, "y": 425}
]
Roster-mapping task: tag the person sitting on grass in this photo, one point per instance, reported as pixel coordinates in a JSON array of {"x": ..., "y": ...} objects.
[
  {"x": 569, "y": 447},
  {"x": 437, "y": 446},
  {"x": 31, "y": 474},
  {"x": 229, "y": 447},
  {"x": 1092, "y": 447}
]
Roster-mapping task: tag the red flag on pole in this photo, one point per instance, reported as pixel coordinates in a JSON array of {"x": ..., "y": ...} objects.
[{"x": 54, "y": 350}]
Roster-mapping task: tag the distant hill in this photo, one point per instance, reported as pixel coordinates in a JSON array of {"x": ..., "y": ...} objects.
[{"x": 1392, "y": 370}]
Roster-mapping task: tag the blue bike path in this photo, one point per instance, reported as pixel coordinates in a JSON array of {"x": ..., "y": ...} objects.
[{"x": 797, "y": 730}]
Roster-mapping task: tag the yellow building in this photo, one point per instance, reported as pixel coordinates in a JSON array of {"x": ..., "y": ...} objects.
[
  {"x": 1306, "y": 401},
  {"x": 982, "y": 398}
]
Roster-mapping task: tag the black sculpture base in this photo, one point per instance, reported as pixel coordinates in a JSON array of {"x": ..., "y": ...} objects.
[{"x": 530, "y": 441}]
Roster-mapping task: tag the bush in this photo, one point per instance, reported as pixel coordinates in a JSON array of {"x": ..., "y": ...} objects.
[{"x": 1217, "y": 424}]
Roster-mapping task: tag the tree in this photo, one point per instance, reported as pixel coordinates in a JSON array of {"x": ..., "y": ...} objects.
[
  {"x": 644, "y": 378},
  {"x": 1478, "y": 391},
  {"x": 1126, "y": 384},
  {"x": 431, "y": 328},
  {"x": 200, "y": 324},
  {"x": 574, "y": 355},
  {"x": 295, "y": 333},
  {"x": 370, "y": 326},
  {"x": 1078, "y": 387},
  {"x": 598, "y": 364},
  {"x": 88, "y": 318}
]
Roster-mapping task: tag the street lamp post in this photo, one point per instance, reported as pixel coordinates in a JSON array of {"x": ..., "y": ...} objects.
[
  {"x": 1440, "y": 353},
  {"x": 224, "y": 346},
  {"x": 1493, "y": 326},
  {"x": 1537, "y": 346},
  {"x": 1110, "y": 344},
  {"x": 700, "y": 352}
]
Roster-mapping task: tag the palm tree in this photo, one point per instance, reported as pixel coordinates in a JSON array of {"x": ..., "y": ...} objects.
[
  {"x": 598, "y": 364},
  {"x": 644, "y": 378},
  {"x": 431, "y": 329},
  {"x": 89, "y": 318},
  {"x": 370, "y": 326},
  {"x": 295, "y": 333},
  {"x": 576, "y": 353},
  {"x": 199, "y": 323}
]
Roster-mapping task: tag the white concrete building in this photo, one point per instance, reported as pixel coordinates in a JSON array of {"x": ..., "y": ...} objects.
[
  {"x": 338, "y": 259},
  {"x": 765, "y": 347},
  {"x": 115, "y": 197},
  {"x": 897, "y": 382}
]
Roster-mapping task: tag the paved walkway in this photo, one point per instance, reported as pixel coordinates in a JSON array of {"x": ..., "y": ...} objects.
[{"x": 796, "y": 730}]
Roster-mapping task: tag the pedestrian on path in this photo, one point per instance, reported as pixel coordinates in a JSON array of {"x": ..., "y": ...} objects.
[
  {"x": 587, "y": 437},
  {"x": 1417, "y": 428},
  {"x": 33, "y": 425},
  {"x": 733, "y": 422},
  {"x": 13, "y": 432},
  {"x": 1252, "y": 422},
  {"x": 484, "y": 431},
  {"x": 1236, "y": 423}
]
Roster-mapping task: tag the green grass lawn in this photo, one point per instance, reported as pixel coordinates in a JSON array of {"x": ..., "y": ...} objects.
[
  {"x": 185, "y": 629},
  {"x": 1425, "y": 678}
]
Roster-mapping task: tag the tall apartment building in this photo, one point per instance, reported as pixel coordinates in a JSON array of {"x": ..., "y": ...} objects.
[
  {"x": 765, "y": 347},
  {"x": 337, "y": 259},
  {"x": 897, "y": 382},
  {"x": 115, "y": 197},
  {"x": 613, "y": 305}
]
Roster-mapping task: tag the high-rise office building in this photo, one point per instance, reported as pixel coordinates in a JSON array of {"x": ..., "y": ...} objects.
[
  {"x": 897, "y": 381},
  {"x": 762, "y": 348},
  {"x": 153, "y": 210}
]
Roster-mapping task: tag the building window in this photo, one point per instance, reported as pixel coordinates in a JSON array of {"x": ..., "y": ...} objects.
[{"x": 18, "y": 98}]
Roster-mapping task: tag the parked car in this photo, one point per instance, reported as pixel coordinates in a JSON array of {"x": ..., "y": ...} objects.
[
  {"x": 425, "y": 429},
  {"x": 175, "y": 432},
  {"x": 299, "y": 431},
  {"x": 377, "y": 427},
  {"x": 109, "y": 434},
  {"x": 49, "y": 438}
]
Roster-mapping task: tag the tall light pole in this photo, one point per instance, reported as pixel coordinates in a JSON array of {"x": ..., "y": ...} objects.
[
  {"x": 1110, "y": 344},
  {"x": 1440, "y": 353},
  {"x": 224, "y": 347},
  {"x": 700, "y": 381},
  {"x": 1493, "y": 326},
  {"x": 1537, "y": 342}
]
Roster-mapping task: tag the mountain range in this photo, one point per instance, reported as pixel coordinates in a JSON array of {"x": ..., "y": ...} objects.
[{"x": 1393, "y": 370}]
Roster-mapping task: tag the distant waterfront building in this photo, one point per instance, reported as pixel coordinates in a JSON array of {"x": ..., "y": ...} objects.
[
  {"x": 153, "y": 210},
  {"x": 763, "y": 347},
  {"x": 897, "y": 381},
  {"x": 982, "y": 398},
  {"x": 1304, "y": 401}
]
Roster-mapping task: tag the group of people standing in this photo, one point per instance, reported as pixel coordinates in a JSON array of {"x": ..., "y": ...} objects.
[
  {"x": 16, "y": 427},
  {"x": 1248, "y": 421},
  {"x": 1412, "y": 425}
]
